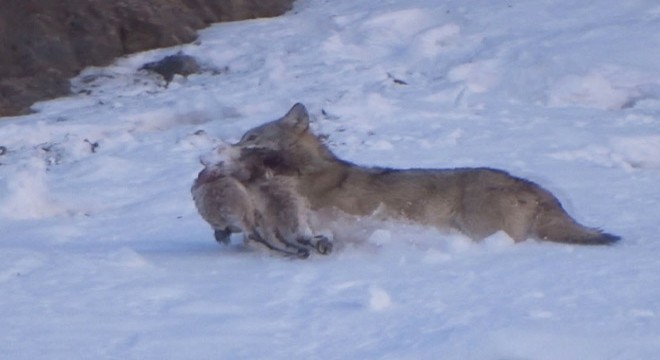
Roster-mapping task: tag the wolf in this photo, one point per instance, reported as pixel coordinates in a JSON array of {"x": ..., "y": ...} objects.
[
  {"x": 241, "y": 197},
  {"x": 477, "y": 202}
]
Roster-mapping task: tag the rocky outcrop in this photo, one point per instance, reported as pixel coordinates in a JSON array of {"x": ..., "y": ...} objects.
[{"x": 44, "y": 43}]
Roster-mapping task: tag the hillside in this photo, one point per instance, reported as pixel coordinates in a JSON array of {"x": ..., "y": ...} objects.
[{"x": 44, "y": 43}]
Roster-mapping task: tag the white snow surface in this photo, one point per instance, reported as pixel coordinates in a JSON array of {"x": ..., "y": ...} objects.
[{"x": 103, "y": 255}]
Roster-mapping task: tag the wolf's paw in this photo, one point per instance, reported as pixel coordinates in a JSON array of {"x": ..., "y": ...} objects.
[{"x": 323, "y": 245}]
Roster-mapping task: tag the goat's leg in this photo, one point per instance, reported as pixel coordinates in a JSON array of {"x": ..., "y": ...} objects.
[
  {"x": 319, "y": 242},
  {"x": 255, "y": 236}
]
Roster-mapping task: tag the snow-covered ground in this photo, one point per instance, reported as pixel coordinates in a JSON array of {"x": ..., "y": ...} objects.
[{"x": 103, "y": 256}]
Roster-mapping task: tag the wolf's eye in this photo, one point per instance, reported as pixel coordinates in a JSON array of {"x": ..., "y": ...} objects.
[{"x": 252, "y": 137}]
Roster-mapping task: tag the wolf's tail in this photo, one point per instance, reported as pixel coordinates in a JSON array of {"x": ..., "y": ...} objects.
[{"x": 554, "y": 224}]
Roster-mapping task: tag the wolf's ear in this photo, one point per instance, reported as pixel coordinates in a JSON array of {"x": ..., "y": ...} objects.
[{"x": 297, "y": 118}]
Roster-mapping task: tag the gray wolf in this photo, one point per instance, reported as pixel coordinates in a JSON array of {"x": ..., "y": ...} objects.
[
  {"x": 241, "y": 197},
  {"x": 475, "y": 201}
]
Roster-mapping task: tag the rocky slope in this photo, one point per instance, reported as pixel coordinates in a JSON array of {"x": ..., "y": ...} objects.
[{"x": 44, "y": 43}]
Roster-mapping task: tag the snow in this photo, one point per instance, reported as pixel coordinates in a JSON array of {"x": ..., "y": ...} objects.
[{"x": 102, "y": 253}]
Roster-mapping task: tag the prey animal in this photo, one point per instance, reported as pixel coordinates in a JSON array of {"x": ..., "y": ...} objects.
[{"x": 241, "y": 196}]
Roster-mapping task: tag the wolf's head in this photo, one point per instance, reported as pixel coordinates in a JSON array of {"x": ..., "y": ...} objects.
[
  {"x": 286, "y": 145},
  {"x": 278, "y": 134}
]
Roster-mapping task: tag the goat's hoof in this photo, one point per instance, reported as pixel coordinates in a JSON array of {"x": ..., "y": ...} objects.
[
  {"x": 324, "y": 246},
  {"x": 302, "y": 253},
  {"x": 222, "y": 236}
]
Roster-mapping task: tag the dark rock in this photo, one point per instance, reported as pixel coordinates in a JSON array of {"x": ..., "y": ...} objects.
[
  {"x": 178, "y": 64},
  {"x": 44, "y": 43}
]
